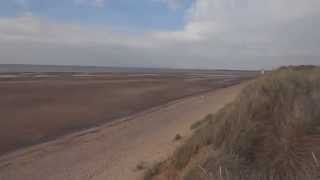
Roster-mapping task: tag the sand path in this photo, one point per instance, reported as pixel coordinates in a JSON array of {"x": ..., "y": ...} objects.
[{"x": 112, "y": 151}]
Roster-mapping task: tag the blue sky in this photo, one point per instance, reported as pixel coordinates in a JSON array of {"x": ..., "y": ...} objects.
[
  {"x": 131, "y": 15},
  {"x": 231, "y": 34}
]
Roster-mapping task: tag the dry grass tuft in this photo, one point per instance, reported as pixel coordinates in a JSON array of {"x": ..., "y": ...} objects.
[
  {"x": 152, "y": 172},
  {"x": 178, "y": 137},
  {"x": 141, "y": 166},
  {"x": 201, "y": 123},
  {"x": 270, "y": 132}
]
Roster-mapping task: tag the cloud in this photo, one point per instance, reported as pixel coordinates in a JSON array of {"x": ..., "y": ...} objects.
[
  {"x": 21, "y": 3},
  {"x": 217, "y": 34},
  {"x": 94, "y": 3},
  {"x": 277, "y": 26},
  {"x": 172, "y": 4},
  {"x": 33, "y": 29}
]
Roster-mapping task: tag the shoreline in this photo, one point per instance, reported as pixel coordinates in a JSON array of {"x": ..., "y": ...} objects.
[{"x": 113, "y": 122}]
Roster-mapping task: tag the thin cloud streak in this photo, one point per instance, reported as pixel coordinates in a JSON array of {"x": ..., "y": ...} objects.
[{"x": 94, "y": 3}]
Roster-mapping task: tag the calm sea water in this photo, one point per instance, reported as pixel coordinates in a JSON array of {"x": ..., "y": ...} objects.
[
  {"x": 17, "y": 68},
  {"x": 43, "y": 70}
]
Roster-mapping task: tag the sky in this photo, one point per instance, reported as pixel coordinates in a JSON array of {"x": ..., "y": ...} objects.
[{"x": 210, "y": 34}]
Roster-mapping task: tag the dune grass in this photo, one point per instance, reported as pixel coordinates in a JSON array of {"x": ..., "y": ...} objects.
[
  {"x": 270, "y": 132},
  {"x": 153, "y": 171}
]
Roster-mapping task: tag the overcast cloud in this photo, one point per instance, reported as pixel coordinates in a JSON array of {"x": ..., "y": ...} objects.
[{"x": 246, "y": 34}]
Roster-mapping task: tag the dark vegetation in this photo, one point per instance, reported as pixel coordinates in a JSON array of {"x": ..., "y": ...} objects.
[
  {"x": 177, "y": 137},
  {"x": 141, "y": 166},
  {"x": 201, "y": 123},
  {"x": 270, "y": 132},
  {"x": 153, "y": 171}
]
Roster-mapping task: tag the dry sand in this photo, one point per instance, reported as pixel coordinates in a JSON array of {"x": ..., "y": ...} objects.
[{"x": 112, "y": 151}]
